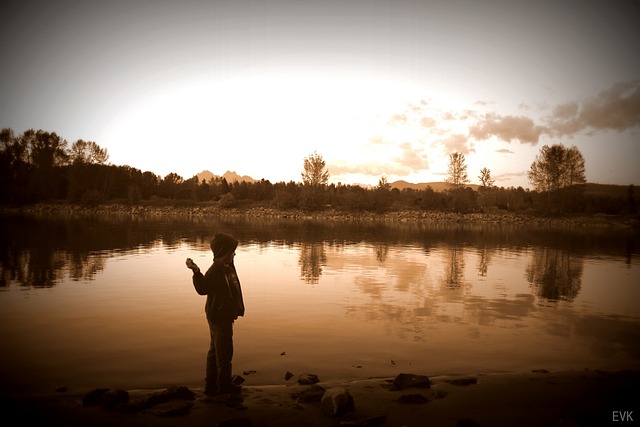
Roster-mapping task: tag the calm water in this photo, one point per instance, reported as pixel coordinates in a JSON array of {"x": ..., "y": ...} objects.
[{"x": 109, "y": 302}]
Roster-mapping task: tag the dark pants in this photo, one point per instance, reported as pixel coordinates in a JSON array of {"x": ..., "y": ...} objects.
[{"x": 219, "y": 356}]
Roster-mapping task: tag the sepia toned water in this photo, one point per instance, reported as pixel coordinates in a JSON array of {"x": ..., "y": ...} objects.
[{"x": 108, "y": 301}]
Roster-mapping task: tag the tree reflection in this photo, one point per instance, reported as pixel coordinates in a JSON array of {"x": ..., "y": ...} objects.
[
  {"x": 312, "y": 257},
  {"x": 454, "y": 268},
  {"x": 555, "y": 274},
  {"x": 382, "y": 250},
  {"x": 483, "y": 262},
  {"x": 85, "y": 267},
  {"x": 46, "y": 269},
  {"x": 42, "y": 251}
]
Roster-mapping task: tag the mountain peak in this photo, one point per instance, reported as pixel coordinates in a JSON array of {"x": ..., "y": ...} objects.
[
  {"x": 230, "y": 176},
  {"x": 435, "y": 186}
]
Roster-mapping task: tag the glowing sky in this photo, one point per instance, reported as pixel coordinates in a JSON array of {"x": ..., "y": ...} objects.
[{"x": 376, "y": 87}]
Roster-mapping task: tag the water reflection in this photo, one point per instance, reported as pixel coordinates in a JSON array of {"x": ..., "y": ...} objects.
[
  {"x": 483, "y": 261},
  {"x": 382, "y": 250},
  {"x": 454, "y": 268},
  {"x": 40, "y": 251},
  {"x": 312, "y": 258},
  {"x": 352, "y": 289},
  {"x": 555, "y": 274}
]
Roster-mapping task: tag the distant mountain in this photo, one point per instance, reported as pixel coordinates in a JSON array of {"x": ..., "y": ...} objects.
[
  {"x": 230, "y": 176},
  {"x": 436, "y": 186},
  {"x": 610, "y": 190}
]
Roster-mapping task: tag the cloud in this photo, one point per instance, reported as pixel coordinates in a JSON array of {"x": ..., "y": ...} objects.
[
  {"x": 369, "y": 169},
  {"x": 427, "y": 122},
  {"x": 617, "y": 108},
  {"x": 457, "y": 142},
  {"x": 507, "y": 128},
  {"x": 504, "y": 151},
  {"x": 399, "y": 119},
  {"x": 508, "y": 176},
  {"x": 412, "y": 157},
  {"x": 377, "y": 140}
]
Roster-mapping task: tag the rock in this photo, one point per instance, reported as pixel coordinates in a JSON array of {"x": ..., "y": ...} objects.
[
  {"x": 60, "y": 389},
  {"x": 93, "y": 397},
  {"x": 109, "y": 398},
  {"x": 539, "y": 371},
  {"x": 113, "y": 398},
  {"x": 288, "y": 376},
  {"x": 308, "y": 379},
  {"x": 412, "y": 398},
  {"x": 403, "y": 381},
  {"x": 462, "y": 381},
  {"x": 174, "y": 392},
  {"x": 337, "y": 401},
  {"x": 311, "y": 394}
]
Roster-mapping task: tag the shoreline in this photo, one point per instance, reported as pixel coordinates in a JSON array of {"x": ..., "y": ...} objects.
[
  {"x": 404, "y": 216},
  {"x": 538, "y": 397}
]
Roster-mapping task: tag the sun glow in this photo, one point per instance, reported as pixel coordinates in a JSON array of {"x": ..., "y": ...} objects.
[{"x": 264, "y": 126}]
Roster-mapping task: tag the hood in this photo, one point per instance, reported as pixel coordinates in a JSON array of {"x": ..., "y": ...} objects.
[{"x": 222, "y": 245}]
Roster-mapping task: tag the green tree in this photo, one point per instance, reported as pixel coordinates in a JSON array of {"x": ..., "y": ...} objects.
[
  {"x": 46, "y": 151},
  {"x": 88, "y": 152},
  {"x": 575, "y": 169},
  {"x": 383, "y": 184},
  {"x": 14, "y": 168},
  {"x": 171, "y": 186},
  {"x": 559, "y": 172},
  {"x": 457, "y": 170},
  {"x": 557, "y": 167},
  {"x": 382, "y": 195},
  {"x": 314, "y": 173},
  {"x": 314, "y": 178}
]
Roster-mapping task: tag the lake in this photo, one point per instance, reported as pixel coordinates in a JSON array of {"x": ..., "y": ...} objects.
[{"x": 107, "y": 301}]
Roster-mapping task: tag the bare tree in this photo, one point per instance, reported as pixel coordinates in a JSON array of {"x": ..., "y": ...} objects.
[
  {"x": 485, "y": 178},
  {"x": 457, "y": 170}
]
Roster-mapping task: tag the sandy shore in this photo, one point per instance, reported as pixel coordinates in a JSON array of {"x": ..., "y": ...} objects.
[{"x": 537, "y": 398}]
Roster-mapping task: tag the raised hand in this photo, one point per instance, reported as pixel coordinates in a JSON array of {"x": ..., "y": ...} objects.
[{"x": 192, "y": 265}]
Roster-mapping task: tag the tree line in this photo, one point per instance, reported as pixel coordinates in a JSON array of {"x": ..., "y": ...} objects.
[{"x": 40, "y": 166}]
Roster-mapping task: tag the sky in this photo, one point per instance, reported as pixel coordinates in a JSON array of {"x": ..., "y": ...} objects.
[{"x": 377, "y": 88}]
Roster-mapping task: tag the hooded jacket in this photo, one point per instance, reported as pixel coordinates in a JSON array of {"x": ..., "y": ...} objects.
[{"x": 220, "y": 283}]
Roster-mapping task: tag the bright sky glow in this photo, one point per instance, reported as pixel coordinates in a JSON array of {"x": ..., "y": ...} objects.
[{"x": 377, "y": 88}]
